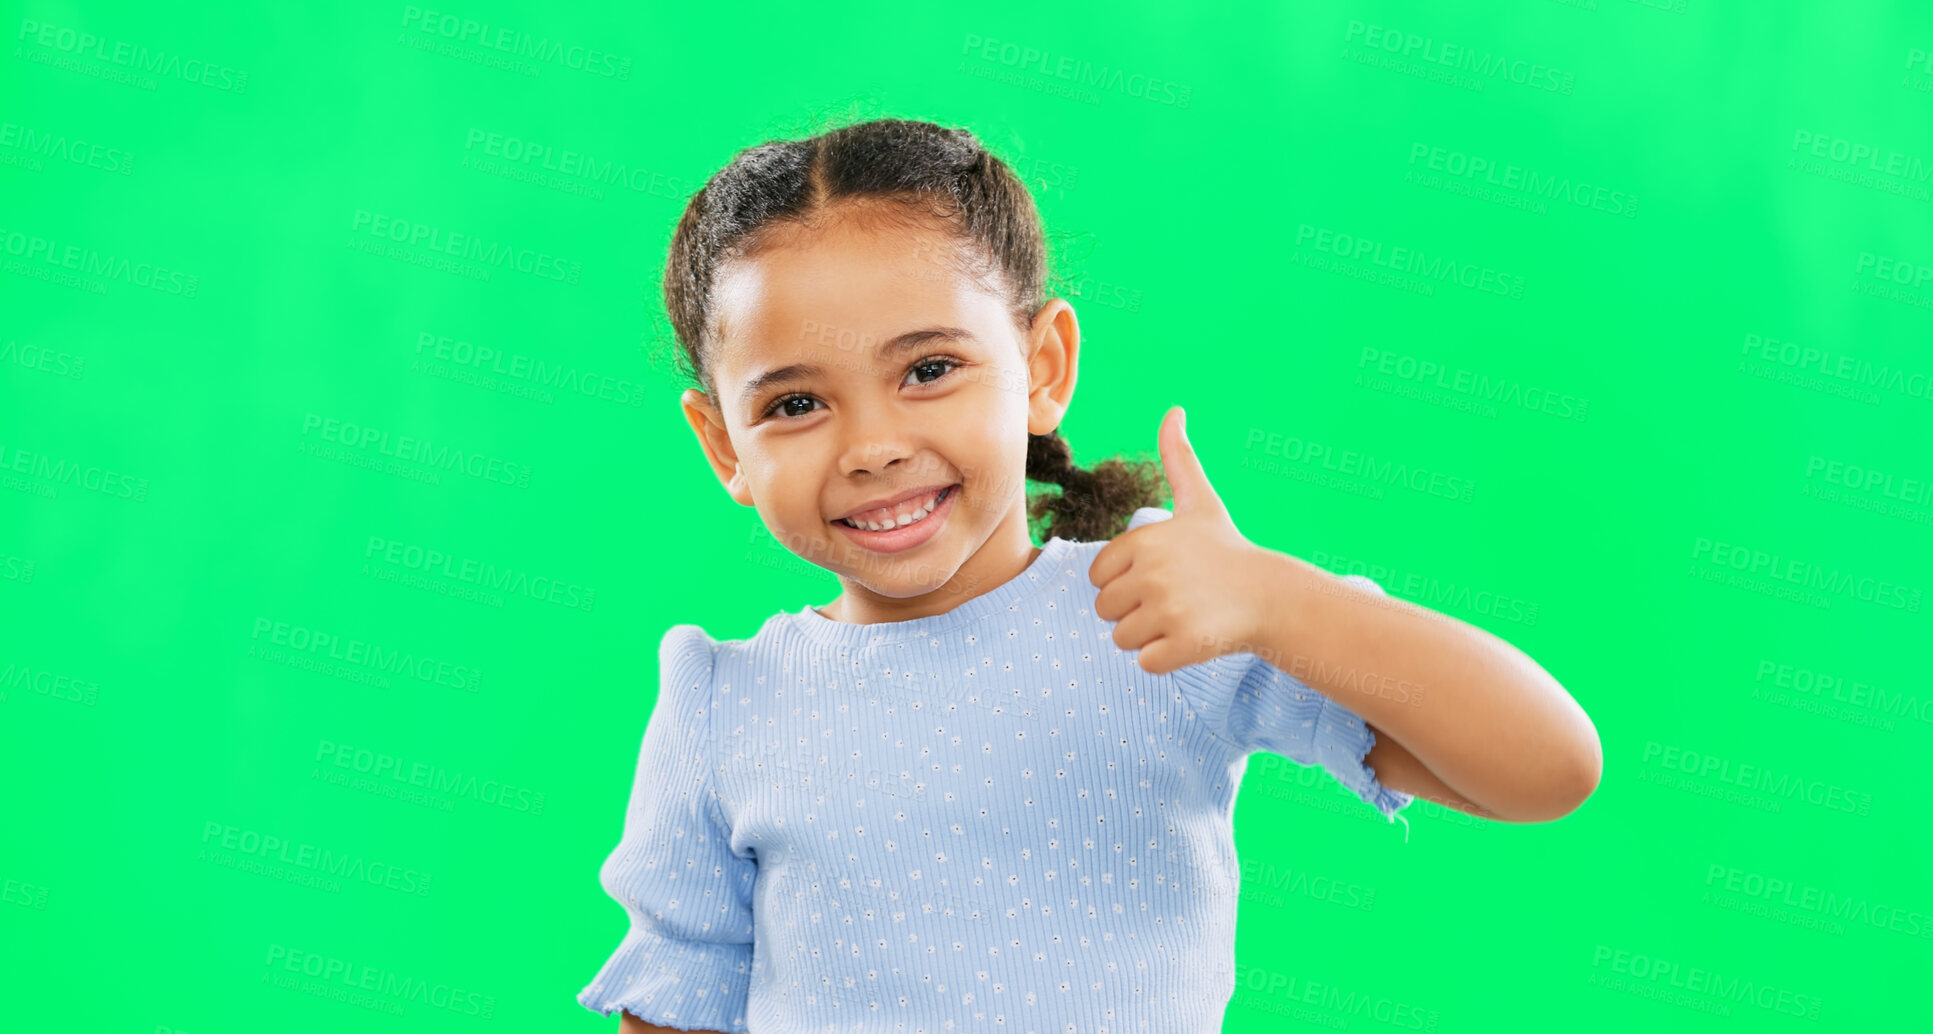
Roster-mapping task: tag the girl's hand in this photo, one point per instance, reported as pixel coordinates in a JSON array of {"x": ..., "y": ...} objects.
[{"x": 1190, "y": 588}]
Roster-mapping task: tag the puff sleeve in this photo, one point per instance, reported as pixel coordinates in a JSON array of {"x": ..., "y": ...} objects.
[
  {"x": 686, "y": 960},
  {"x": 1255, "y": 706},
  {"x": 1274, "y": 711}
]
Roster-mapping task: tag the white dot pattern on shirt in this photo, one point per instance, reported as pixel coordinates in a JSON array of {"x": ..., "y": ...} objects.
[{"x": 973, "y": 838}]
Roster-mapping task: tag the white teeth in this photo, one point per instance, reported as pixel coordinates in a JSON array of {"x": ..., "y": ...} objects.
[{"x": 903, "y": 519}]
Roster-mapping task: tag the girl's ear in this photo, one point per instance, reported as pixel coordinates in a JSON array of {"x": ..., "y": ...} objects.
[
  {"x": 709, "y": 425},
  {"x": 1053, "y": 365}
]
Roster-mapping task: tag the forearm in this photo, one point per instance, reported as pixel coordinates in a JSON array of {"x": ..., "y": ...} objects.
[{"x": 1490, "y": 722}]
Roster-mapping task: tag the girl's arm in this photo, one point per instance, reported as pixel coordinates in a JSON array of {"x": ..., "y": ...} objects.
[
  {"x": 629, "y": 1024},
  {"x": 1461, "y": 717}
]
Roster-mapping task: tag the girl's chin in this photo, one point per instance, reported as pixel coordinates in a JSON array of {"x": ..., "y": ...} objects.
[
  {"x": 907, "y": 588},
  {"x": 885, "y": 578}
]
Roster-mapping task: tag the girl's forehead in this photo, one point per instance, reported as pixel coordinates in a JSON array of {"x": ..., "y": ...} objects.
[
  {"x": 789, "y": 300},
  {"x": 881, "y": 256}
]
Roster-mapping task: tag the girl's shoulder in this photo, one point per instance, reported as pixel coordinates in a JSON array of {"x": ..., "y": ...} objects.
[
  {"x": 1148, "y": 515},
  {"x": 688, "y": 642},
  {"x": 685, "y": 641},
  {"x": 692, "y": 664},
  {"x": 687, "y": 656}
]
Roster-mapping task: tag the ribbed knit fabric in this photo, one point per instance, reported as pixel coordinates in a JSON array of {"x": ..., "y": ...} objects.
[{"x": 986, "y": 820}]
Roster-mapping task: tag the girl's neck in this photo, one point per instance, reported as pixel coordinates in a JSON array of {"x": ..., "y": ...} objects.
[{"x": 1006, "y": 555}]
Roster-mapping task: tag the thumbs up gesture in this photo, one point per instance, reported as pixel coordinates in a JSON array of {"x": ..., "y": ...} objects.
[{"x": 1187, "y": 589}]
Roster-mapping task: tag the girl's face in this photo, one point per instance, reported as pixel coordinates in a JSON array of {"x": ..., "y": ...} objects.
[{"x": 854, "y": 367}]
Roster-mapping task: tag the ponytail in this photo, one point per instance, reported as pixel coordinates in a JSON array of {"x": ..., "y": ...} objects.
[{"x": 1092, "y": 505}]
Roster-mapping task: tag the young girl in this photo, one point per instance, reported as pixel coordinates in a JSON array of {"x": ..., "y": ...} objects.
[{"x": 991, "y": 785}]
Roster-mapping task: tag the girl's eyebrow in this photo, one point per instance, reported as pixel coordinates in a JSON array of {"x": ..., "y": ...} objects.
[{"x": 799, "y": 371}]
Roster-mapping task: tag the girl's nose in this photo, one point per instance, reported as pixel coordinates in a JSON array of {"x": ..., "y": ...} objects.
[
  {"x": 874, "y": 460},
  {"x": 875, "y": 444}
]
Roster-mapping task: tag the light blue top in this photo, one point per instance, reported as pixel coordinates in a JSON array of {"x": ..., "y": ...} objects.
[{"x": 989, "y": 819}]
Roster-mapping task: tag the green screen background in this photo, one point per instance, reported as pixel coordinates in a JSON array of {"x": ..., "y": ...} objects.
[{"x": 1674, "y": 345}]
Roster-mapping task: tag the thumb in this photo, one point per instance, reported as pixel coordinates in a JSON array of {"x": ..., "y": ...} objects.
[{"x": 1186, "y": 480}]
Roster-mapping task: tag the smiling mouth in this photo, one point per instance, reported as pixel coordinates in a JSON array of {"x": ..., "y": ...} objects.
[{"x": 906, "y": 520}]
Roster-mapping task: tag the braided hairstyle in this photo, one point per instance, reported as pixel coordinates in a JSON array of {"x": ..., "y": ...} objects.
[{"x": 916, "y": 171}]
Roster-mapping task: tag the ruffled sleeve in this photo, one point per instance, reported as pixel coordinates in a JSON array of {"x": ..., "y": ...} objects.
[
  {"x": 686, "y": 960},
  {"x": 1274, "y": 711},
  {"x": 1256, "y": 706}
]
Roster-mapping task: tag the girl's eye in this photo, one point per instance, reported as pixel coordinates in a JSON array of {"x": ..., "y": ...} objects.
[
  {"x": 786, "y": 400},
  {"x": 944, "y": 364}
]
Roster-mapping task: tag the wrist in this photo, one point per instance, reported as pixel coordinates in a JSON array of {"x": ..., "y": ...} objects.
[{"x": 1291, "y": 588}]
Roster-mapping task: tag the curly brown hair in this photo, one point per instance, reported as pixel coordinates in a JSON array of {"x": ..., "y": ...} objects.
[{"x": 934, "y": 171}]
